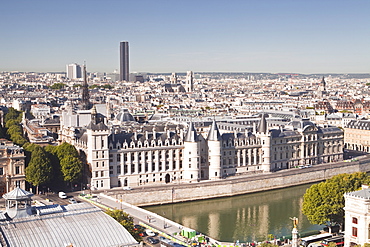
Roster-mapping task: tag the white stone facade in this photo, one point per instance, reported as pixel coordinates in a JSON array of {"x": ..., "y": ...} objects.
[
  {"x": 357, "y": 217},
  {"x": 137, "y": 158}
]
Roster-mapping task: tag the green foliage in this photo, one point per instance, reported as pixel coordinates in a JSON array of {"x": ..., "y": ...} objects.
[
  {"x": 71, "y": 168},
  {"x": 267, "y": 244},
  {"x": 125, "y": 220},
  {"x": 324, "y": 202},
  {"x": 39, "y": 170},
  {"x": 58, "y": 86},
  {"x": 13, "y": 114},
  {"x": 66, "y": 162}
]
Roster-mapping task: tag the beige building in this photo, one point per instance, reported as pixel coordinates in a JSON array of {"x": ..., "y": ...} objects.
[
  {"x": 357, "y": 135},
  {"x": 12, "y": 167}
]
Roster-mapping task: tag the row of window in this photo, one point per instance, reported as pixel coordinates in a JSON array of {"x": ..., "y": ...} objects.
[{"x": 17, "y": 170}]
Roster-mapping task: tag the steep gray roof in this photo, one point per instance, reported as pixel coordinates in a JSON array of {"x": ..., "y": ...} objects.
[
  {"x": 191, "y": 135},
  {"x": 214, "y": 133},
  {"x": 262, "y": 126}
]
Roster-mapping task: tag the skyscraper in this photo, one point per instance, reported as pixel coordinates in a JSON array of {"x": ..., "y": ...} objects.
[
  {"x": 73, "y": 71},
  {"x": 124, "y": 62}
]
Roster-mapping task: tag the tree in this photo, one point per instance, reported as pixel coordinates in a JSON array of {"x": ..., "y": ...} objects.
[
  {"x": 126, "y": 221},
  {"x": 39, "y": 170},
  {"x": 324, "y": 202},
  {"x": 71, "y": 168}
]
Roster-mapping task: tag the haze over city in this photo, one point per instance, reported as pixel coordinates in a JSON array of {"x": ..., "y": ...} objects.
[{"x": 176, "y": 36}]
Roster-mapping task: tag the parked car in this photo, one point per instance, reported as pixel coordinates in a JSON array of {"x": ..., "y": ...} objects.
[
  {"x": 72, "y": 201},
  {"x": 152, "y": 240},
  {"x": 126, "y": 188},
  {"x": 301, "y": 166},
  {"x": 149, "y": 233},
  {"x": 62, "y": 195}
]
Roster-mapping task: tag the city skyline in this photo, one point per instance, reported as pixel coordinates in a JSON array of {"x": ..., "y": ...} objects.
[{"x": 206, "y": 36}]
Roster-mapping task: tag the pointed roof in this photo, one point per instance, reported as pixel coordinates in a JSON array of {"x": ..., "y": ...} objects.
[
  {"x": 214, "y": 133},
  {"x": 191, "y": 135},
  {"x": 17, "y": 194},
  {"x": 262, "y": 126}
]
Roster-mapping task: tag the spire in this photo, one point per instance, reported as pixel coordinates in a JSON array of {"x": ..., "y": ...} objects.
[
  {"x": 214, "y": 133},
  {"x": 85, "y": 92},
  {"x": 191, "y": 135},
  {"x": 262, "y": 127}
]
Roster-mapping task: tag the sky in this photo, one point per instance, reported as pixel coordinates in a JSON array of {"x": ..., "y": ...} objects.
[{"x": 259, "y": 36}]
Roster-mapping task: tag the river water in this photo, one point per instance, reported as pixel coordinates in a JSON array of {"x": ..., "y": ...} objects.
[{"x": 250, "y": 217}]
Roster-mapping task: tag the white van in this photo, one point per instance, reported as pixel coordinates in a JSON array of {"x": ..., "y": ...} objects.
[{"x": 62, "y": 195}]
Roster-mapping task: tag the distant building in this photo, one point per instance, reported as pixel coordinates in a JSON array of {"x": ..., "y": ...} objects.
[
  {"x": 74, "y": 71},
  {"x": 357, "y": 135},
  {"x": 189, "y": 84},
  {"x": 124, "y": 61},
  {"x": 80, "y": 224},
  {"x": 12, "y": 167},
  {"x": 357, "y": 217}
]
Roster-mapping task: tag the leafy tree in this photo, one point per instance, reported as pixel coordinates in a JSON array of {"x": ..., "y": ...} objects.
[
  {"x": 324, "y": 202},
  {"x": 71, "y": 168},
  {"x": 66, "y": 149},
  {"x": 126, "y": 221},
  {"x": 58, "y": 86},
  {"x": 13, "y": 114},
  {"x": 39, "y": 169}
]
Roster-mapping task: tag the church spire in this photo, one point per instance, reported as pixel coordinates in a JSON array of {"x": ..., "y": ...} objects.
[{"x": 85, "y": 92}]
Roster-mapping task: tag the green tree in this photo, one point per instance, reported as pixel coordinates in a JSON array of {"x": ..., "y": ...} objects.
[
  {"x": 71, "y": 168},
  {"x": 13, "y": 114},
  {"x": 58, "y": 86},
  {"x": 39, "y": 170},
  {"x": 324, "y": 202},
  {"x": 125, "y": 220}
]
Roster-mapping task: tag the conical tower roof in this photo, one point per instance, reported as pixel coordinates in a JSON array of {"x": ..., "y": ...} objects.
[
  {"x": 191, "y": 135},
  {"x": 18, "y": 194},
  {"x": 214, "y": 133},
  {"x": 262, "y": 126}
]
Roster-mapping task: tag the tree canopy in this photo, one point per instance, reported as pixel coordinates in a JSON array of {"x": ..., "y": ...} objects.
[
  {"x": 125, "y": 220},
  {"x": 39, "y": 170},
  {"x": 324, "y": 202}
]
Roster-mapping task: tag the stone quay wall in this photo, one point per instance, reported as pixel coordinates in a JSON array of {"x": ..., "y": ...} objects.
[{"x": 240, "y": 184}]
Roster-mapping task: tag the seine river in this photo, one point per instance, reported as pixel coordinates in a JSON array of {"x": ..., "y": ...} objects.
[{"x": 246, "y": 218}]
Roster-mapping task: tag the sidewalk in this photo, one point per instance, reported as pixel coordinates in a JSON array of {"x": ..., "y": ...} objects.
[{"x": 150, "y": 220}]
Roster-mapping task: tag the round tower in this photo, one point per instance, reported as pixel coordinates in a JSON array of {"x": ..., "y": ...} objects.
[
  {"x": 191, "y": 161},
  {"x": 265, "y": 137},
  {"x": 214, "y": 152}
]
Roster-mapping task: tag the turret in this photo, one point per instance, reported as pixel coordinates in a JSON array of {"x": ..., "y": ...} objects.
[
  {"x": 191, "y": 163},
  {"x": 265, "y": 137},
  {"x": 214, "y": 147}
]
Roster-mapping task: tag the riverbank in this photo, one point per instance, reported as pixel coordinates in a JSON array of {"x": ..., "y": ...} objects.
[{"x": 239, "y": 185}]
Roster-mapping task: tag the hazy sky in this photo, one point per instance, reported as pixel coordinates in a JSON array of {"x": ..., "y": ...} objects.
[{"x": 301, "y": 36}]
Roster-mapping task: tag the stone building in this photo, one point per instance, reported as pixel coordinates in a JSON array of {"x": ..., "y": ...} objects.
[
  {"x": 357, "y": 135},
  {"x": 357, "y": 217},
  {"x": 12, "y": 167},
  {"x": 136, "y": 157}
]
